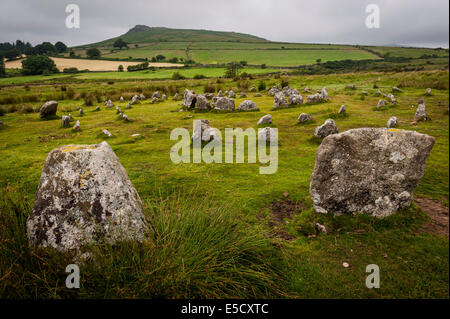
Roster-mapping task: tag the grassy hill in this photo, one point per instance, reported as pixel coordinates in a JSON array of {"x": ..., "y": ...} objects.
[
  {"x": 218, "y": 47},
  {"x": 144, "y": 34}
]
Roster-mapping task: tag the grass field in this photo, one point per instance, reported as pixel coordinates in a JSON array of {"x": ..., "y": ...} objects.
[
  {"x": 142, "y": 75},
  {"x": 233, "y": 249}
]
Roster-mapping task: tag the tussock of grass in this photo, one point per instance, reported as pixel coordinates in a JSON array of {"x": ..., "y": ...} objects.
[{"x": 197, "y": 250}]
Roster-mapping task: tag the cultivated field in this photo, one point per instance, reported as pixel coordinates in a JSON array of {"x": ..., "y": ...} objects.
[
  {"x": 224, "y": 230},
  {"x": 91, "y": 65}
]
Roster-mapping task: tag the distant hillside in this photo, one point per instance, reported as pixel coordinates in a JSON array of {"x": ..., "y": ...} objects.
[{"x": 144, "y": 34}]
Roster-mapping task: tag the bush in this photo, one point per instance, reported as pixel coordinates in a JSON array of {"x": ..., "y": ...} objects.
[
  {"x": 93, "y": 53},
  {"x": 209, "y": 88},
  {"x": 261, "y": 86},
  {"x": 38, "y": 64},
  {"x": 70, "y": 70},
  {"x": 177, "y": 76},
  {"x": 120, "y": 68},
  {"x": 284, "y": 82},
  {"x": 89, "y": 100},
  {"x": 199, "y": 77},
  {"x": 137, "y": 67}
]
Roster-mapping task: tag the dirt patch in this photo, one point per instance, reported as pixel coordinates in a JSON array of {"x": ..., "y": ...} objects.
[
  {"x": 281, "y": 211},
  {"x": 438, "y": 214}
]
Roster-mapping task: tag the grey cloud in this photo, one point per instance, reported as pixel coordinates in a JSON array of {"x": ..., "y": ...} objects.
[{"x": 403, "y": 22}]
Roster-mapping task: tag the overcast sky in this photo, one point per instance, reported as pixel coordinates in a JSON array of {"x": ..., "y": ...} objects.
[{"x": 402, "y": 22}]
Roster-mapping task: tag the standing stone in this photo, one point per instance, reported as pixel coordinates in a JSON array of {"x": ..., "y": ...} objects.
[
  {"x": 350, "y": 86},
  {"x": 107, "y": 133},
  {"x": 257, "y": 94},
  {"x": 135, "y": 99},
  {"x": 209, "y": 96},
  {"x": 314, "y": 98},
  {"x": 163, "y": 97},
  {"x": 368, "y": 170},
  {"x": 248, "y": 105},
  {"x": 176, "y": 97},
  {"x": 274, "y": 90},
  {"x": 428, "y": 91},
  {"x": 342, "y": 109},
  {"x": 396, "y": 89},
  {"x": 204, "y": 132},
  {"x": 327, "y": 128},
  {"x": 48, "y": 109},
  {"x": 80, "y": 112},
  {"x": 266, "y": 134},
  {"x": 156, "y": 95},
  {"x": 303, "y": 118},
  {"x": 141, "y": 96},
  {"x": 109, "y": 104},
  {"x": 279, "y": 100},
  {"x": 231, "y": 94},
  {"x": 65, "y": 121},
  {"x": 324, "y": 94},
  {"x": 421, "y": 113},
  {"x": 381, "y": 103},
  {"x": 392, "y": 122},
  {"x": 190, "y": 98},
  {"x": 253, "y": 89},
  {"x": 84, "y": 197},
  {"x": 220, "y": 94},
  {"x": 391, "y": 97},
  {"x": 202, "y": 103},
  {"x": 243, "y": 95},
  {"x": 295, "y": 99},
  {"x": 121, "y": 99},
  {"x": 266, "y": 119},
  {"x": 76, "y": 127},
  {"x": 223, "y": 104},
  {"x": 97, "y": 109}
]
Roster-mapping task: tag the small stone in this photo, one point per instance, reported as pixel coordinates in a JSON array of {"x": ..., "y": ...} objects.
[
  {"x": 106, "y": 132},
  {"x": 76, "y": 127},
  {"x": 303, "y": 118},
  {"x": 327, "y": 128},
  {"x": 266, "y": 119}
]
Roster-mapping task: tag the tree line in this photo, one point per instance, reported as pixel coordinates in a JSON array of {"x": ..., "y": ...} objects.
[{"x": 15, "y": 50}]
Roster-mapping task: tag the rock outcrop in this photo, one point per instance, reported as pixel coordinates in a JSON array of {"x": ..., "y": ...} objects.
[
  {"x": 84, "y": 196},
  {"x": 368, "y": 170}
]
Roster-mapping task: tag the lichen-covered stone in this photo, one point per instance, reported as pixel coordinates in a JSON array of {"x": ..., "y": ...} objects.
[
  {"x": 223, "y": 104},
  {"x": 202, "y": 103},
  {"x": 295, "y": 99},
  {"x": 327, "y": 128},
  {"x": 342, "y": 109},
  {"x": 368, "y": 170},
  {"x": 84, "y": 196},
  {"x": 421, "y": 113},
  {"x": 279, "y": 100},
  {"x": 190, "y": 99},
  {"x": 248, "y": 105}
]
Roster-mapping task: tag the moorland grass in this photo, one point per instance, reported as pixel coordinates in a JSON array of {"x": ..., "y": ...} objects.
[{"x": 413, "y": 264}]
